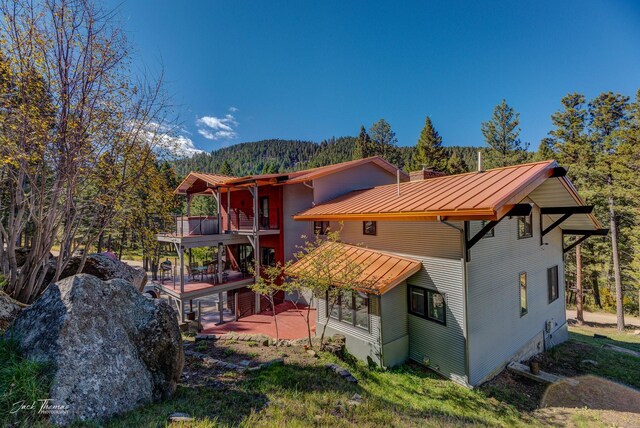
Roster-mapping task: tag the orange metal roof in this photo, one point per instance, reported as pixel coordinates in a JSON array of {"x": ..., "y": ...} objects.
[
  {"x": 380, "y": 271},
  {"x": 285, "y": 177},
  {"x": 192, "y": 177},
  {"x": 486, "y": 195}
]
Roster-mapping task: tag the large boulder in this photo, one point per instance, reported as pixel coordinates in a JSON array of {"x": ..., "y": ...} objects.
[
  {"x": 9, "y": 310},
  {"x": 105, "y": 267},
  {"x": 111, "y": 349}
]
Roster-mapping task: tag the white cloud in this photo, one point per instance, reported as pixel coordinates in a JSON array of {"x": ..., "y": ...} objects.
[
  {"x": 218, "y": 128},
  {"x": 162, "y": 138},
  {"x": 233, "y": 109}
]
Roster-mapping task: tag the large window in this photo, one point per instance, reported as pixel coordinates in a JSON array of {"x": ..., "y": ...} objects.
[
  {"x": 525, "y": 226},
  {"x": 429, "y": 304},
  {"x": 369, "y": 228},
  {"x": 268, "y": 256},
  {"x": 552, "y": 283},
  {"x": 320, "y": 227},
  {"x": 523, "y": 294},
  {"x": 352, "y": 308}
]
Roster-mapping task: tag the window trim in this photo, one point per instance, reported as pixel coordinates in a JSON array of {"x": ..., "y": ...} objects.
[
  {"x": 427, "y": 316},
  {"x": 524, "y": 218},
  {"x": 526, "y": 294},
  {"x": 553, "y": 269},
  {"x": 375, "y": 228},
  {"x": 353, "y": 310}
]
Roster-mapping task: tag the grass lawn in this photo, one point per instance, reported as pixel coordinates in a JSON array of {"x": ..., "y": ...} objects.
[
  {"x": 295, "y": 395},
  {"x": 304, "y": 393}
]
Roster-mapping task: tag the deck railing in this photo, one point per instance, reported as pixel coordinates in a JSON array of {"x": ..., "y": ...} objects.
[{"x": 243, "y": 219}]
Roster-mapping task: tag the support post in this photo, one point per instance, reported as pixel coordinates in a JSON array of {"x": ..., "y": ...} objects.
[
  {"x": 220, "y": 262},
  {"x": 181, "y": 256},
  {"x": 235, "y": 306},
  {"x": 220, "y": 308},
  {"x": 228, "y": 209},
  {"x": 216, "y": 194},
  {"x": 188, "y": 205},
  {"x": 256, "y": 239}
]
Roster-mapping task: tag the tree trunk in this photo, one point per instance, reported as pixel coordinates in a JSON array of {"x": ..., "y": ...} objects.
[
  {"x": 579, "y": 291},
  {"x": 596, "y": 289},
  {"x": 616, "y": 265},
  {"x": 100, "y": 242}
]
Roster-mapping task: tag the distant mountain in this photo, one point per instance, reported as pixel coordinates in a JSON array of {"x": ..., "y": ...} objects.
[{"x": 268, "y": 156}]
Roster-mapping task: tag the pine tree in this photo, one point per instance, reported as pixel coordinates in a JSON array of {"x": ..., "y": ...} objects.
[
  {"x": 501, "y": 133},
  {"x": 363, "y": 146},
  {"x": 607, "y": 113},
  {"x": 430, "y": 152},
  {"x": 384, "y": 142},
  {"x": 545, "y": 150},
  {"x": 225, "y": 169},
  {"x": 456, "y": 165}
]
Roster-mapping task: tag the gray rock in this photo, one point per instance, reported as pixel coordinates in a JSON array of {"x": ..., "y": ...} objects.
[
  {"x": 355, "y": 400},
  {"x": 110, "y": 348},
  {"x": 106, "y": 268},
  {"x": 589, "y": 362},
  {"x": 244, "y": 363},
  {"x": 351, "y": 379},
  {"x": 9, "y": 309}
]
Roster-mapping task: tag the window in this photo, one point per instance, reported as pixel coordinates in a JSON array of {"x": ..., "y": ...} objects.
[
  {"x": 489, "y": 234},
  {"x": 427, "y": 304},
  {"x": 264, "y": 212},
  {"x": 525, "y": 226},
  {"x": 523, "y": 294},
  {"x": 416, "y": 301},
  {"x": 369, "y": 227},
  {"x": 351, "y": 308},
  {"x": 552, "y": 283},
  {"x": 268, "y": 256},
  {"x": 320, "y": 227}
]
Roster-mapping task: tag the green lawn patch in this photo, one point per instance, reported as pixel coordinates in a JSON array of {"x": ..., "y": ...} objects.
[
  {"x": 302, "y": 396},
  {"x": 21, "y": 381}
]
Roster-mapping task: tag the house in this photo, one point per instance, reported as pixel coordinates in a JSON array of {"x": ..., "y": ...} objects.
[
  {"x": 463, "y": 273},
  {"x": 252, "y": 226}
]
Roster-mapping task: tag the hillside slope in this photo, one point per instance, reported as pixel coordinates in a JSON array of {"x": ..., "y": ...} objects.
[{"x": 267, "y": 156}]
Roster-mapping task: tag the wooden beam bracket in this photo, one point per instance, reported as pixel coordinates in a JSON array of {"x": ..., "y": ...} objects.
[
  {"x": 584, "y": 234},
  {"x": 518, "y": 210}
]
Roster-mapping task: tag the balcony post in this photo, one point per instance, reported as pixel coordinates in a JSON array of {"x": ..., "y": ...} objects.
[
  {"x": 188, "y": 204},
  {"x": 181, "y": 256},
  {"x": 228, "y": 209},
  {"x": 216, "y": 194}
]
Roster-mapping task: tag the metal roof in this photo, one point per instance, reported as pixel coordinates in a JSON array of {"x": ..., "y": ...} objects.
[
  {"x": 207, "y": 179},
  {"x": 377, "y": 272},
  {"x": 285, "y": 177},
  {"x": 486, "y": 195}
]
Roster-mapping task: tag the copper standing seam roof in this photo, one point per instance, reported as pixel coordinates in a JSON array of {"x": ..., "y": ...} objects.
[
  {"x": 486, "y": 195},
  {"x": 285, "y": 177},
  {"x": 380, "y": 271},
  {"x": 192, "y": 177}
]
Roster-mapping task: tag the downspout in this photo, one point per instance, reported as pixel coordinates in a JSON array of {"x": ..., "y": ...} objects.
[{"x": 465, "y": 280}]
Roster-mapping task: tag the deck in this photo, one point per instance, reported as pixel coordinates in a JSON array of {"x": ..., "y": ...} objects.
[
  {"x": 204, "y": 287},
  {"x": 291, "y": 324}
]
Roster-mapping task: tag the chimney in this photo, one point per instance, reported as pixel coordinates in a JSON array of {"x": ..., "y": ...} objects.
[{"x": 424, "y": 174}]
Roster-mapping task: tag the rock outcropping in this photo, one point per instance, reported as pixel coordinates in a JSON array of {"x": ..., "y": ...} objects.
[
  {"x": 9, "y": 310},
  {"x": 111, "y": 348},
  {"x": 106, "y": 268}
]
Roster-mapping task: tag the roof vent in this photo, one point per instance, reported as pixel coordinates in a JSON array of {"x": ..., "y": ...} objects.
[{"x": 424, "y": 174}]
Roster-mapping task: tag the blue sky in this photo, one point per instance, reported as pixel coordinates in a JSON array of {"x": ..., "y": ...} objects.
[{"x": 248, "y": 70}]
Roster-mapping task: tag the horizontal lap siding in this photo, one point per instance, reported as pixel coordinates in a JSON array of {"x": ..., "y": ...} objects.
[
  {"x": 367, "y": 343},
  {"x": 496, "y": 330},
  {"x": 438, "y": 247}
]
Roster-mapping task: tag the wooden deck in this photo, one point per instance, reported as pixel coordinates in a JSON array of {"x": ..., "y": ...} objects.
[{"x": 195, "y": 289}]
